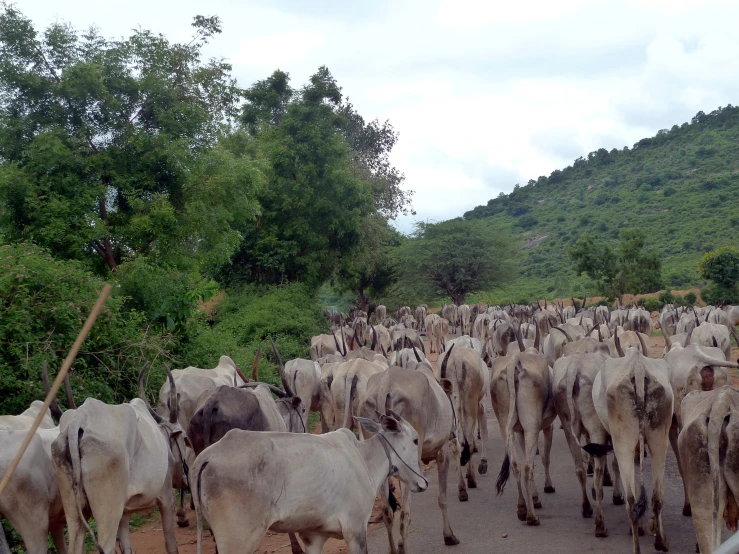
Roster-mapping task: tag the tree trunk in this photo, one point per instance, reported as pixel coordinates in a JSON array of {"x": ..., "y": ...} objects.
[
  {"x": 459, "y": 298},
  {"x": 363, "y": 300}
]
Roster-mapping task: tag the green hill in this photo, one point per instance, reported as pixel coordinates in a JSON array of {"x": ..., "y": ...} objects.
[{"x": 681, "y": 187}]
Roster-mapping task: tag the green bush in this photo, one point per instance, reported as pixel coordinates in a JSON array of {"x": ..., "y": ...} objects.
[
  {"x": 690, "y": 299},
  {"x": 43, "y": 304},
  {"x": 718, "y": 294},
  {"x": 665, "y": 297},
  {"x": 651, "y": 304}
]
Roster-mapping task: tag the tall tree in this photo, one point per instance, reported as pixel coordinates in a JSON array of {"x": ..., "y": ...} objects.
[
  {"x": 627, "y": 268},
  {"x": 722, "y": 267},
  {"x": 455, "y": 258},
  {"x": 101, "y": 142}
]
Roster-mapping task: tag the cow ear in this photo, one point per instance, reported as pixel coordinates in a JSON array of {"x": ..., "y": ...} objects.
[
  {"x": 368, "y": 424},
  {"x": 446, "y": 384},
  {"x": 295, "y": 401},
  {"x": 390, "y": 424}
]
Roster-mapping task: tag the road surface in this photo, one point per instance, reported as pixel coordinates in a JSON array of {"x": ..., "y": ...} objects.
[{"x": 481, "y": 522}]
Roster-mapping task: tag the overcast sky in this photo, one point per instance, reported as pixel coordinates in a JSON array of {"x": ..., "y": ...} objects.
[{"x": 484, "y": 94}]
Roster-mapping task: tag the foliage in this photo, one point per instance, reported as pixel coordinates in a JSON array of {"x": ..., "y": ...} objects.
[
  {"x": 43, "y": 303},
  {"x": 690, "y": 299},
  {"x": 665, "y": 297},
  {"x": 624, "y": 269},
  {"x": 722, "y": 267},
  {"x": 108, "y": 147},
  {"x": 651, "y": 304},
  {"x": 608, "y": 191},
  {"x": 454, "y": 259}
]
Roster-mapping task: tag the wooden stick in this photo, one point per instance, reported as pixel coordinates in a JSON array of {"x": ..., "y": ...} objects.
[{"x": 58, "y": 382}]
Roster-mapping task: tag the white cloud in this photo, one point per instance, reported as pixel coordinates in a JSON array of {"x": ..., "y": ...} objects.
[{"x": 484, "y": 94}]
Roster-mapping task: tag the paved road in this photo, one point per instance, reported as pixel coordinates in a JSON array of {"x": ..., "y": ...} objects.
[{"x": 480, "y": 523}]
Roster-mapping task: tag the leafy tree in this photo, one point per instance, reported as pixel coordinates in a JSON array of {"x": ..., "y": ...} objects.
[
  {"x": 312, "y": 205},
  {"x": 369, "y": 272},
  {"x": 455, "y": 258},
  {"x": 722, "y": 267},
  {"x": 627, "y": 268},
  {"x": 106, "y": 146}
]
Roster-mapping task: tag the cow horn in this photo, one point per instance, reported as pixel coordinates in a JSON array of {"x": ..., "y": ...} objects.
[
  {"x": 582, "y": 315},
  {"x": 695, "y": 315},
  {"x": 415, "y": 352},
  {"x": 688, "y": 337},
  {"x": 343, "y": 336},
  {"x": 275, "y": 390},
  {"x": 56, "y": 411},
  {"x": 357, "y": 339},
  {"x": 142, "y": 394},
  {"x": 374, "y": 338},
  {"x": 255, "y": 367},
  {"x": 537, "y": 336},
  {"x": 283, "y": 375},
  {"x": 618, "y": 344},
  {"x": 715, "y": 344},
  {"x": 565, "y": 333},
  {"x": 382, "y": 348},
  {"x": 707, "y": 316},
  {"x": 584, "y": 300},
  {"x": 443, "y": 364},
  {"x": 174, "y": 400},
  {"x": 336, "y": 342},
  {"x": 519, "y": 340},
  {"x": 600, "y": 335},
  {"x": 644, "y": 350},
  {"x": 545, "y": 304},
  {"x": 668, "y": 342}
]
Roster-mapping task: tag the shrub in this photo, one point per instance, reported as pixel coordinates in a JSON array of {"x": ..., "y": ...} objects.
[
  {"x": 651, "y": 304},
  {"x": 665, "y": 297},
  {"x": 690, "y": 299},
  {"x": 43, "y": 304}
]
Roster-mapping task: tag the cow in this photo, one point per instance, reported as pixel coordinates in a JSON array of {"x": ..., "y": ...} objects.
[
  {"x": 249, "y": 482},
  {"x": 420, "y": 314},
  {"x": 450, "y": 312},
  {"x": 433, "y": 332},
  {"x": 114, "y": 461},
  {"x": 463, "y": 366},
  {"x": 641, "y": 321},
  {"x": 382, "y": 342},
  {"x": 709, "y": 448},
  {"x": 573, "y": 378},
  {"x": 301, "y": 379},
  {"x": 325, "y": 345},
  {"x": 380, "y": 313},
  {"x": 634, "y": 401},
  {"x": 464, "y": 318},
  {"x": 406, "y": 357},
  {"x": 348, "y": 386},
  {"x": 693, "y": 367},
  {"x": 406, "y": 338},
  {"x": 521, "y": 394},
  {"x": 31, "y": 502},
  {"x": 425, "y": 403},
  {"x": 712, "y": 334}
]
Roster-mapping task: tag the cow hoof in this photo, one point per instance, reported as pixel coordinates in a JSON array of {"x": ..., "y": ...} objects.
[
  {"x": 471, "y": 483},
  {"x": 660, "y": 545},
  {"x": 687, "y": 511},
  {"x": 549, "y": 490},
  {"x": 590, "y": 470},
  {"x": 451, "y": 541},
  {"x": 483, "y": 467},
  {"x": 521, "y": 513},
  {"x": 537, "y": 505},
  {"x": 474, "y": 448},
  {"x": 607, "y": 481},
  {"x": 533, "y": 521},
  {"x": 697, "y": 549},
  {"x": 618, "y": 500},
  {"x": 587, "y": 511},
  {"x": 183, "y": 523},
  {"x": 463, "y": 496},
  {"x": 601, "y": 533}
]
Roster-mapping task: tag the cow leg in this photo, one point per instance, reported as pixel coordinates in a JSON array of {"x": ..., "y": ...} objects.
[
  {"x": 518, "y": 444},
  {"x": 532, "y": 497},
  {"x": 294, "y": 544},
  {"x": 387, "y": 515},
  {"x": 482, "y": 429},
  {"x": 658, "y": 439},
  {"x": 57, "y": 536},
  {"x": 124, "y": 535},
  {"x": 673, "y": 442},
  {"x": 463, "y": 496},
  {"x": 699, "y": 484},
  {"x": 182, "y": 520},
  {"x": 600, "y": 463},
  {"x": 166, "y": 510},
  {"x": 586, "y": 509},
  {"x": 405, "y": 519},
  {"x": 442, "y": 468},
  {"x": 624, "y": 446},
  {"x": 618, "y": 486},
  {"x": 545, "y": 458},
  {"x": 4, "y": 548},
  {"x": 313, "y": 543},
  {"x": 357, "y": 542},
  {"x": 469, "y": 418}
]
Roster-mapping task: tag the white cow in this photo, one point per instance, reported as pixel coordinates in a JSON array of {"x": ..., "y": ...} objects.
[{"x": 249, "y": 482}]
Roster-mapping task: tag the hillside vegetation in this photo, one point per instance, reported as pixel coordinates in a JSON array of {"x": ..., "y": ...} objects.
[{"x": 680, "y": 187}]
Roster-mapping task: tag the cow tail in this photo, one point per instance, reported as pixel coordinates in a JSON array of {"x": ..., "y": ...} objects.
[
  {"x": 466, "y": 450},
  {"x": 719, "y": 411},
  {"x": 74, "y": 436},
  {"x": 512, "y": 372},
  {"x": 638, "y": 509},
  {"x": 198, "y": 507},
  {"x": 350, "y": 381}
]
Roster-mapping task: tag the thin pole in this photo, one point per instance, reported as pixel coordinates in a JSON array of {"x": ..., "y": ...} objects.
[{"x": 58, "y": 382}]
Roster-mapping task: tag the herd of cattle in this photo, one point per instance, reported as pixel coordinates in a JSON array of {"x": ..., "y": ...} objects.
[{"x": 244, "y": 451}]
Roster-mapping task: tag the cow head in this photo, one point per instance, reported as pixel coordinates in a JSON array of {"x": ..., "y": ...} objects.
[{"x": 400, "y": 441}]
